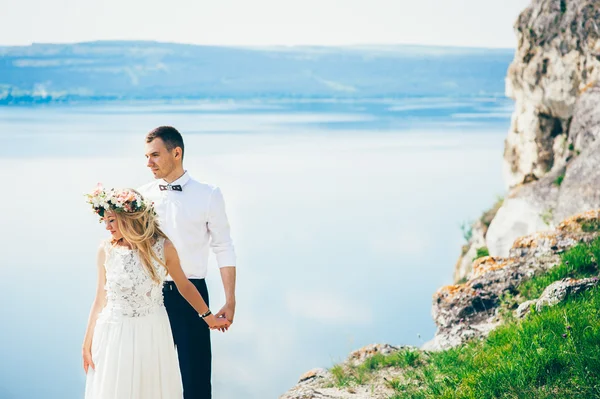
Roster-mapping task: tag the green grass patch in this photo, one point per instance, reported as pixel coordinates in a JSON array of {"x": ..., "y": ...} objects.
[
  {"x": 551, "y": 354},
  {"x": 347, "y": 376},
  {"x": 341, "y": 378},
  {"x": 578, "y": 262},
  {"x": 559, "y": 179},
  {"x": 554, "y": 353},
  {"x": 547, "y": 216},
  {"x": 481, "y": 252},
  {"x": 591, "y": 226},
  {"x": 402, "y": 358}
]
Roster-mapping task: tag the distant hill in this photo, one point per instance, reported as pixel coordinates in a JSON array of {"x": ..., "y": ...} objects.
[{"x": 149, "y": 70}]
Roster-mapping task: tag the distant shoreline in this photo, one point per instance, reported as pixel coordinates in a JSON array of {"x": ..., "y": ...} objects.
[
  {"x": 134, "y": 71},
  {"x": 26, "y": 101}
]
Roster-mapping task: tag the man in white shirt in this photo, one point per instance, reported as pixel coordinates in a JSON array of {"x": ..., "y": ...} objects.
[{"x": 192, "y": 215}]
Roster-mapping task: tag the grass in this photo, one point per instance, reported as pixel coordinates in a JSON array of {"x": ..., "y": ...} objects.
[
  {"x": 578, "y": 262},
  {"x": 348, "y": 376},
  {"x": 559, "y": 179},
  {"x": 554, "y": 353},
  {"x": 590, "y": 226},
  {"x": 462, "y": 280},
  {"x": 551, "y": 354},
  {"x": 547, "y": 216},
  {"x": 481, "y": 252},
  {"x": 527, "y": 359}
]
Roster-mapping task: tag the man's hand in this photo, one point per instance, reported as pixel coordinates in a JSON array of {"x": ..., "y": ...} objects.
[
  {"x": 217, "y": 323},
  {"x": 227, "y": 311},
  {"x": 228, "y": 277}
]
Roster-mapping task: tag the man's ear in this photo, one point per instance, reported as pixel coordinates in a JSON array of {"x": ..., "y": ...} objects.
[{"x": 177, "y": 153}]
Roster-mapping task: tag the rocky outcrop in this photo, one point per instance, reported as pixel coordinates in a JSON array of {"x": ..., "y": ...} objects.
[
  {"x": 551, "y": 169},
  {"x": 552, "y": 151},
  {"x": 566, "y": 190},
  {"x": 320, "y": 383},
  {"x": 471, "y": 310},
  {"x": 556, "y": 293},
  {"x": 475, "y": 236},
  {"x": 557, "y": 56}
]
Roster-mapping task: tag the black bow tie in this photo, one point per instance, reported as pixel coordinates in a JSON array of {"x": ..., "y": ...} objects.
[{"x": 169, "y": 187}]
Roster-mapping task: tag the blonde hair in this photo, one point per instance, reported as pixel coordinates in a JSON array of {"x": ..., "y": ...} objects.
[{"x": 141, "y": 230}]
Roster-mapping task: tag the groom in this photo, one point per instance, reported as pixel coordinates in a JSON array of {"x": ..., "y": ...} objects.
[{"x": 192, "y": 215}]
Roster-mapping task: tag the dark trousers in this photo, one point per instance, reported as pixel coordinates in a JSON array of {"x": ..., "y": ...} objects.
[{"x": 192, "y": 339}]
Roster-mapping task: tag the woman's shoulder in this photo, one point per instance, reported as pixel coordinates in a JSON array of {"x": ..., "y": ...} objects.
[
  {"x": 168, "y": 244},
  {"x": 104, "y": 245},
  {"x": 103, "y": 248},
  {"x": 169, "y": 248}
]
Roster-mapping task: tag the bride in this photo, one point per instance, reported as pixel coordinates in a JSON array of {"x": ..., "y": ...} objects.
[{"x": 128, "y": 350}]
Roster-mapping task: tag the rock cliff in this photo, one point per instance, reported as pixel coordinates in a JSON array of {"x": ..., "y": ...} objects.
[
  {"x": 552, "y": 150},
  {"x": 551, "y": 169},
  {"x": 466, "y": 311},
  {"x": 551, "y": 154},
  {"x": 557, "y": 57},
  {"x": 472, "y": 309}
]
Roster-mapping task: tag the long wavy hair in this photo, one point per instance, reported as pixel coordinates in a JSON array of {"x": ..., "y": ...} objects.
[{"x": 141, "y": 230}]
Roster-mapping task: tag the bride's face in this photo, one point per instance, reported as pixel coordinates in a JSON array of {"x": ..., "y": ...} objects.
[{"x": 112, "y": 225}]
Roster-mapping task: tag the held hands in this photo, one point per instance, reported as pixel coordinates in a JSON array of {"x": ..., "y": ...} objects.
[
  {"x": 217, "y": 323},
  {"x": 227, "y": 311},
  {"x": 87, "y": 360},
  {"x": 222, "y": 320}
]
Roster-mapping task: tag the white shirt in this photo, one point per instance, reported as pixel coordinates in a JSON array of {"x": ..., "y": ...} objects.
[{"x": 194, "y": 219}]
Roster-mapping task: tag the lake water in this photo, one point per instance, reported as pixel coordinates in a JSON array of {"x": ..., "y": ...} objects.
[{"x": 346, "y": 218}]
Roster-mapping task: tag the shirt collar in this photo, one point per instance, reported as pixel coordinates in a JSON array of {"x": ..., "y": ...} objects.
[{"x": 181, "y": 181}]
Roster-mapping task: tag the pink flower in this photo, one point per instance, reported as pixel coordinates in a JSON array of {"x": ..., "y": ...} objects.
[
  {"x": 125, "y": 196},
  {"x": 98, "y": 189}
]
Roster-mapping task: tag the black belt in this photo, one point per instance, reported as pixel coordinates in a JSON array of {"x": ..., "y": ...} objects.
[{"x": 170, "y": 285}]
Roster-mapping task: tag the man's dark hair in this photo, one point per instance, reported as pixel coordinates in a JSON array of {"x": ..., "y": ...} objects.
[{"x": 169, "y": 135}]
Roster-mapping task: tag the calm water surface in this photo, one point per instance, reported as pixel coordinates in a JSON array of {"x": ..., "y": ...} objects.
[{"x": 346, "y": 219}]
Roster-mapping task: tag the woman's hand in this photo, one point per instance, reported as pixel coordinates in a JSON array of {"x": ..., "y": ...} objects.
[
  {"x": 217, "y": 323},
  {"x": 87, "y": 360}
]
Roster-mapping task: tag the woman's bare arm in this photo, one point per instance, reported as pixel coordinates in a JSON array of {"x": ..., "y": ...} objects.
[
  {"x": 188, "y": 290},
  {"x": 97, "y": 306}
]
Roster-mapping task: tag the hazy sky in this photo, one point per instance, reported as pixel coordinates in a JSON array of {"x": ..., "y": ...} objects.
[{"x": 481, "y": 23}]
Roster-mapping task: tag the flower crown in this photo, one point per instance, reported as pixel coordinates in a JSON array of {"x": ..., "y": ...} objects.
[{"x": 126, "y": 200}]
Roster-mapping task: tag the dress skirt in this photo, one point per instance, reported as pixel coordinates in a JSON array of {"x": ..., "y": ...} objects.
[{"x": 135, "y": 358}]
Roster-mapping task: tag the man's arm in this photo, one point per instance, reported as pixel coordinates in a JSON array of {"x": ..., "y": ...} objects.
[
  {"x": 222, "y": 245},
  {"x": 228, "y": 277}
]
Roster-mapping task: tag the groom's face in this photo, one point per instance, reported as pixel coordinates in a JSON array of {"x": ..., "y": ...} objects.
[{"x": 161, "y": 161}]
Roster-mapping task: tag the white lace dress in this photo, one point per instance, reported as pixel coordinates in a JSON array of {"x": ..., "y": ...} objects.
[{"x": 132, "y": 346}]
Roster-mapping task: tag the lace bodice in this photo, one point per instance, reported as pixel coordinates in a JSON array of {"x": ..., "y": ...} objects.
[{"x": 130, "y": 291}]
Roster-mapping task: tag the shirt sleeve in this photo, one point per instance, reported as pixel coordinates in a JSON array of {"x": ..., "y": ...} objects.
[{"x": 218, "y": 227}]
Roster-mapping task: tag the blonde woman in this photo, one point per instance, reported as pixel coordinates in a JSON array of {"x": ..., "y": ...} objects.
[{"x": 128, "y": 350}]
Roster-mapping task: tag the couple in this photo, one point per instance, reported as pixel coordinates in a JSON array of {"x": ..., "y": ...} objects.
[{"x": 148, "y": 334}]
